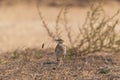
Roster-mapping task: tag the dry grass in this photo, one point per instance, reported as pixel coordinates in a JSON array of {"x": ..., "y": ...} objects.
[
  {"x": 28, "y": 65},
  {"x": 96, "y": 34}
]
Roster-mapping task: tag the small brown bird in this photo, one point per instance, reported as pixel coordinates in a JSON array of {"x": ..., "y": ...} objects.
[{"x": 60, "y": 50}]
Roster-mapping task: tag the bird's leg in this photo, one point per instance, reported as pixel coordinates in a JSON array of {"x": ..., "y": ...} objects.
[
  {"x": 61, "y": 61},
  {"x": 57, "y": 59}
]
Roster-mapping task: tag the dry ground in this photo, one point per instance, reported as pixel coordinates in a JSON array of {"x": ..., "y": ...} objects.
[{"x": 35, "y": 64}]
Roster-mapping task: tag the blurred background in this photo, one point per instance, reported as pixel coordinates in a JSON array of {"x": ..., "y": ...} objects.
[
  {"x": 53, "y": 3},
  {"x": 20, "y": 25}
]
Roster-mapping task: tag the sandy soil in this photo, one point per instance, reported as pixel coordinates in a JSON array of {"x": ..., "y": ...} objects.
[{"x": 33, "y": 64}]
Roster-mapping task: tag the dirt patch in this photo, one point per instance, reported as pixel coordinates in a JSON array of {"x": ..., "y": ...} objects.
[{"x": 41, "y": 65}]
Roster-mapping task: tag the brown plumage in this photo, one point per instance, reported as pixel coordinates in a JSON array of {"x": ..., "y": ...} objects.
[{"x": 60, "y": 50}]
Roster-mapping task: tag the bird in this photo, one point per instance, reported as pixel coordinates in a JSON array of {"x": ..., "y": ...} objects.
[{"x": 60, "y": 50}]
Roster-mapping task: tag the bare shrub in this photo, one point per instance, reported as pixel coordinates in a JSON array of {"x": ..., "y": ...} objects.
[{"x": 96, "y": 34}]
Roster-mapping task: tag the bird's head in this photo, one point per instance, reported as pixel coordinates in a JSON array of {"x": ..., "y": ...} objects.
[{"x": 59, "y": 41}]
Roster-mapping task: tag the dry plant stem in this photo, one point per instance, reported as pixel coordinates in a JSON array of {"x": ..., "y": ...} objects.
[
  {"x": 44, "y": 23},
  {"x": 99, "y": 37},
  {"x": 57, "y": 27},
  {"x": 66, "y": 27}
]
